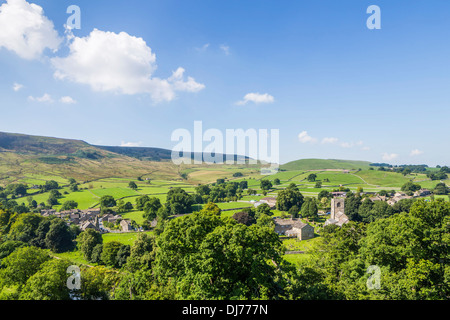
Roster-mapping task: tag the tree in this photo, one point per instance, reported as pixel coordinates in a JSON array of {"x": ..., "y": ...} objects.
[
  {"x": 263, "y": 209},
  {"x": 292, "y": 186},
  {"x": 243, "y": 184},
  {"x": 87, "y": 240},
  {"x": 276, "y": 181},
  {"x": 132, "y": 185},
  {"x": 288, "y": 198},
  {"x": 178, "y": 201},
  {"x": 25, "y": 227},
  {"x": 140, "y": 202},
  {"x": 265, "y": 184},
  {"x": 59, "y": 238},
  {"x": 410, "y": 186},
  {"x": 235, "y": 273},
  {"x": 151, "y": 208},
  {"x": 107, "y": 202},
  {"x": 324, "y": 194},
  {"x": 50, "y": 185},
  {"x": 20, "y": 265},
  {"x": 73, "y": 187},
  {"x": 142, "y": 253},
  {"x": 52, "y": 200},
  {"x": 162, "y": 213},
  {"x": 8, "y": 247},
  {"x": 96, "y": 255},
  {"x": 69, "y": 205},
  {"x": 237, "y": 174},
  {"x": 202, "y": 190},
  {"x": 309, "y": 209},
  {"x": 109, "y": 253},
  {"x": 244, "y": 218},
  {"x": 211, "y": 208},
  {"x": 364, "y": 211},
  {"x": 312, "y": 177},
  {"x": 318, "y": 184},
  {"x": 294, "y": 211},
  {"x": 352, "y": 203},
  {"x": 406, "y": 172},
  {"x": 49, "y": 283},
  {"x": 16, "y": 189},
  {"x": 122, "y": 255},
  {"x": 33, "y": 204},
  {"x": 441, "y": 189},
  {"x": 444, "y": 169}
]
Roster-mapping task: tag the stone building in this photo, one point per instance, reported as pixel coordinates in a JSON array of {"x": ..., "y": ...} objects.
[
  {"x": 126, "y": 226},
  {"x": 338, "y": 216},
  {"x": 293, "y": 228}
]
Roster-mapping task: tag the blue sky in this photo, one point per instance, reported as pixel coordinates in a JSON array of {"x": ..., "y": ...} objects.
[{"x": 339, "y": 90}]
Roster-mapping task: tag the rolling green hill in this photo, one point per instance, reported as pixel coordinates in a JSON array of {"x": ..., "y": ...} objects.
[
  {"x": 321, "y": 164},
  {"x": 35, "y": 159}
]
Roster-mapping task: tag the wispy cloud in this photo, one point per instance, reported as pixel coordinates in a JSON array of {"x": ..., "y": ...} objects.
[
  {"x": 45, "y": 98},
  {"x": 67, "y": 100},
  {"x": 225, "y": 49},
  {"x": 389, "y": 156},
  {"x": 256, "y": 98},
  {"x": 17, "y": 86},
  {"x": 416, "y": 152},
  {"x": 330, "y": 140},
  {"x": 130, "y": 144},
  {"x": 203, "y": 48}
]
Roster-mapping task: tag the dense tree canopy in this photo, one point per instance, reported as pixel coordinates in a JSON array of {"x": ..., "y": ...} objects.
[{"x": 288, "y": 198}]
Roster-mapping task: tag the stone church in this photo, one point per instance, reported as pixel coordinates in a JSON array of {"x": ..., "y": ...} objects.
[{"x": 338, "y": 216}]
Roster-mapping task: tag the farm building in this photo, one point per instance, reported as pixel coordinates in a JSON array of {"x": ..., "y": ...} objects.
[
  {"x": 294, "y": 228},
  {"x": 271, "y": 201},
  {"x": 126, "y": 225}
]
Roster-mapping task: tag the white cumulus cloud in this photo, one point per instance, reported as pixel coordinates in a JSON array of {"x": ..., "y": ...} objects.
[
  {"x": 121, "y": 63},
  {"x": 25, "y": 30},
  {"x": 304, "y": 137},
  {"x": 389, "y": 156},
  {"x": 256, "y": 98}
]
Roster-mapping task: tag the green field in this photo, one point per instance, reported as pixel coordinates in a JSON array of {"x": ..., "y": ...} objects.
[
  {"x": 125, "y": 238},
  {"x": 320, "y": 164}
]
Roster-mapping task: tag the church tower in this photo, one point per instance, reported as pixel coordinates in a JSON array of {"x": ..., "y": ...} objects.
[{"x": 337, "y": 208}]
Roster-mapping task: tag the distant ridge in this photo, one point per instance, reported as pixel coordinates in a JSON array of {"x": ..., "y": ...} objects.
[
  {"x": 50, "y": 146},
  {"x": 155, "y": 154}
]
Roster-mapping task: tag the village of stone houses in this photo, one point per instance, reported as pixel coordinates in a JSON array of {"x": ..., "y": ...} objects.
[{"x": 289, "y": 227}]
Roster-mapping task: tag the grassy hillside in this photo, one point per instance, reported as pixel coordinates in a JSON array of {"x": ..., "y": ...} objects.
[{"x": 320, "y": 164}]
